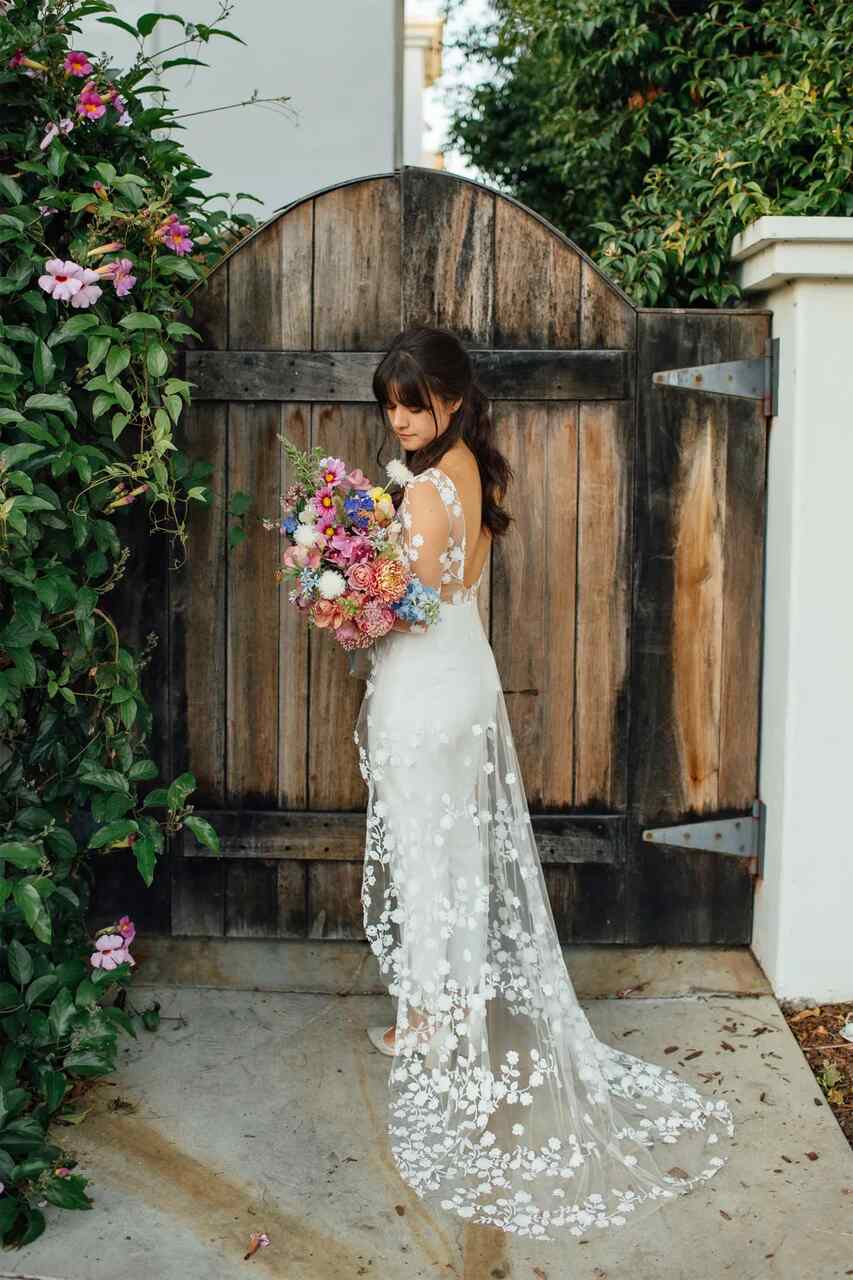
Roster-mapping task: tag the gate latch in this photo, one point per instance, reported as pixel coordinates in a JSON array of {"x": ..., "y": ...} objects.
[{"x": 756, "y": 379}]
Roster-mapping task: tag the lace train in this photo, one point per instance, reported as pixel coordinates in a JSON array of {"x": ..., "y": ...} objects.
[
  {"x": 504, "y": 1106},
  {"x": 510, "y": 1112}
]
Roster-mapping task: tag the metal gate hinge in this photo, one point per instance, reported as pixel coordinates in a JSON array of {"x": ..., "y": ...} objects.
[
  {"x": 738, "y": 837},
  {"x": 756, "y": 379}
]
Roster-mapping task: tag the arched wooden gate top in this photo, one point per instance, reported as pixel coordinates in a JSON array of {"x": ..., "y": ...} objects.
[{"x": 346, "y": 267}]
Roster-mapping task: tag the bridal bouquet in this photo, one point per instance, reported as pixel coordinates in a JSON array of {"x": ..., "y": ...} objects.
[{"x": 343, "y": 554}]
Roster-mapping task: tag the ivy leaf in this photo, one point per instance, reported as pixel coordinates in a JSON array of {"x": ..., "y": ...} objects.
[
  {"x": 60, "y": 404},
  {"x": 156, "y": 360},
  {"x": 117, "y": 360},
  {"x": 203, "y": 831},
  {"x": 139, "y": 320},
  {"x": 44, "y": 364}
]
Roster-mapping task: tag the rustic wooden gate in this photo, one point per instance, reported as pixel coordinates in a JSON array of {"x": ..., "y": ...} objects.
[{"x": 623, "y": 609}]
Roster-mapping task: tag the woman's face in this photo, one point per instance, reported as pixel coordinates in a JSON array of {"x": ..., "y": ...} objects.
[{"x": 415, "y": 428}]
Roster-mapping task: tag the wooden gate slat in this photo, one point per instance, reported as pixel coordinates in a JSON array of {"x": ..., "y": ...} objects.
[
  {"x": 346, "y": 375},
  {"x": 537, "y": 284},
  {"x": 448, "y": 263},
  {"x": 357, "y": 268},
  {"x": 605, "y": 501}
]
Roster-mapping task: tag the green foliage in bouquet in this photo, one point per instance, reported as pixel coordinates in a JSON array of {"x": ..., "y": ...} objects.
[
  {"x": 103, "y": 231},
  {"x": 652, "y": 133}
]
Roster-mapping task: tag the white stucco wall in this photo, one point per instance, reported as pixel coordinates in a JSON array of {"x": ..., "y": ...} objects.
[
  {"x": 340, "y": 63},
  {"x": 802, "y": 268}
]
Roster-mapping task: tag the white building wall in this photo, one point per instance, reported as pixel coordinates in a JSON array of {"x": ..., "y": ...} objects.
[
  {"x": 338, "y": 61},
  {"x": 802, "y": 268}
]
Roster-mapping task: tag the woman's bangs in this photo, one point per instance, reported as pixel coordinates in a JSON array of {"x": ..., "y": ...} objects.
[{"x": 400, "y": 386}]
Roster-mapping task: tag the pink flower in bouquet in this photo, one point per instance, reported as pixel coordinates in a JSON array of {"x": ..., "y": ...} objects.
[
  {"x": 359, "y": 480},
  {"x": 390, "y": 578},
  {"x": 360, "y": 576},
  {"x": 127, "y": 929},
  {"x": 349, "y": 636},
  {"x": 351, "y": 547},
  {"x": 327, "y": 524},
  {"x": 332, "y": 472},
  {"x": 77, "y": 64},
  {"x": 110, "y": 951},
  {"x": 376, "y": 618},
  {"x": 323, "y": 501},
  {"x": 300, "y": 557},
  {"x": 328, "y": 613}
]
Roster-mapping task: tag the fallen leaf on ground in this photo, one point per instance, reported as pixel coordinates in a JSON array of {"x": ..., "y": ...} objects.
[
  {"x": 257, "y": 1240},
  {"x": 805, "y": 1013},
  {"x": 727, "y": 1216},
  {"x": 400, "y": 1209}
]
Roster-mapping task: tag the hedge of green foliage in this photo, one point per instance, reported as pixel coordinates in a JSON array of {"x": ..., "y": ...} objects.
[
  {"x": 652, "y": 132},
  {"x": 103, "y": 231}
]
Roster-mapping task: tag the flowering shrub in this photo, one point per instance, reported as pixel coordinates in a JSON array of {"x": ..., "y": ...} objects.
[{"x": 102, "y": 233}]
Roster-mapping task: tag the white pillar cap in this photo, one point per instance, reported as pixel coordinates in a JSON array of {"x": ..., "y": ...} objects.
[{"x": 772, "y": 251}]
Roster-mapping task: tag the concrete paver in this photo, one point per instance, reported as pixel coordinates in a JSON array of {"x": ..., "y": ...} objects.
[{"x": 267, "y": 1111}]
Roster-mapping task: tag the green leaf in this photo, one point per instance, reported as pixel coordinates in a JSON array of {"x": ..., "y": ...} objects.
[
  {"x": 44, "y": 364},
  {"x": 29, "y": 902},
  {"x": 20, "y": 854},
  {"x": 180, "y": 788},
  {"x": 117, "y": 361},
  {"x": 59, "y": 404},
  {"x": 139, "y": 320},
  {"x": 118, "y": 424},
  {"x": 146, "y": 858},
  {"x": 61, "y": 1013},
  {"x": 148, "y": 21},
  {"x": 183, "y": 62},
  {"x": 113, "y": 833},
  {"x": 104, "y": 779},
  {"x": 71, "y": 329},
  {"x": 67, "y": 1192},
  {"x": 15, "y": 453},
  {"x": 10, "y": 188},
  {"x": 41, "y": 988},
  {"x": 20, "y": 962},
  {"x": 156, "y": 360},
  {"x": 117, "y": 22},
  {"x": 203, "y": 831},
  {"x": 53, "y": 1087},
  {"x": 97, "y": 348}
]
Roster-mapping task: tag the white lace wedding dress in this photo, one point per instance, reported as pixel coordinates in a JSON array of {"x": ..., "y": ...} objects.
[{"x": 504, "y": 1106}]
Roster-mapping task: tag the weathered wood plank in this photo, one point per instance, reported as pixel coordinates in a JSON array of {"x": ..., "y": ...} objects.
[
  {"x": 745, "y": 498},
  {"x": 334, "y": 780},
  {"x": 293, "y": 652},
  {"x": 605, "y": 514},
  {"x": 338, "y": 376},
  {"x": 537, "y": 283},
  {"x": 334, "y": 900},
  {"x": 197, "y": 631},
  {"x": 607, "y": 319},
  {"x": 679, "y": 895},
  {"x": 253, "y": 649},
  {"x": 357, "y": 268},
  {"x": 292, "y": 885},
  {"x": 256, "y": 289},
  {"x": 587, "y": 901},
  {"x": 447, "y": 262},
  {"x": 251, "y": 899},
  {"x": 561, "y": 838},
  {"x": 535, "y": 586}
]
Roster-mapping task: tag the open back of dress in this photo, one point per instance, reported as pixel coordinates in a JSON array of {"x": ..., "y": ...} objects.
[{"x": 504, "y": 1107}]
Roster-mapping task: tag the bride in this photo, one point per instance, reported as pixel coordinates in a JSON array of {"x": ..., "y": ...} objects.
[{"x": 504, "y": 1106}]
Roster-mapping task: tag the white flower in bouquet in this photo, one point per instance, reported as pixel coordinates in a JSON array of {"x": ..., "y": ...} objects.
[
  {"x": 331, "y": 584},
  {"x": 307, "y": 536},
  {"x": 307, "y": 516},
  {"x": 398, "y": 471}
]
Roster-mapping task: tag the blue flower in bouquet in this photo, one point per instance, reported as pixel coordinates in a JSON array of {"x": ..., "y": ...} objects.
[
  {"x": 358, "y": 506},
  {"x": 289, "y": 525},
  {"x": 308, "y": 581},
  {"x": 419, "y": 604}
]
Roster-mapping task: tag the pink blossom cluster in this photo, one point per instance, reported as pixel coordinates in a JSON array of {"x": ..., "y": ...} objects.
[
  {"x": 112, "y": 948},
  {"x": 69, "y": 282},
  {"x": 175, "y": 235}
]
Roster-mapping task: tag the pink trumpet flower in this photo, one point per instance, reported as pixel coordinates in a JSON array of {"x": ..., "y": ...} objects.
[
  {"x": 110, "y": 951},
  {"x": 90, "y": 104},
  {"x": 77, "y": 64},
  {"x": 90, "y": 291},
  {"x": 61, "y": 279},
  {"x": 54, "y": 130}
]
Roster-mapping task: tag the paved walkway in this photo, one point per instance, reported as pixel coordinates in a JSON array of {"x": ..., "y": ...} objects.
[{"x": 263, "y": 1111}]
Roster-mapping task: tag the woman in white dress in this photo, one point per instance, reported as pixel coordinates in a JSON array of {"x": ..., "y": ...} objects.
[{"x": 504, "y": 1107}]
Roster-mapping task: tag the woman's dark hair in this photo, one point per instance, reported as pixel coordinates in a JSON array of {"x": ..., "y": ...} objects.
[{"x": 423, "y": 359}]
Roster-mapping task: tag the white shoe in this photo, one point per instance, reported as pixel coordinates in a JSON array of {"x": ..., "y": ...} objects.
[{"x": 376, "y": 1035}]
